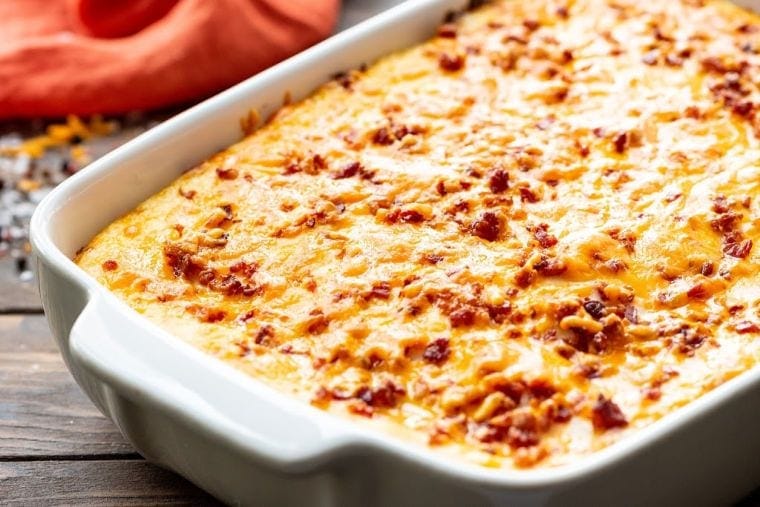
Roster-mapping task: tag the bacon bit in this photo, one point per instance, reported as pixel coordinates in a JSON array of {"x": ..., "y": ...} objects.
[
  {"x": 523, "y": 430},
  {"x": 292, "y": 168},
  {"x": 541, "y": 389},
  {"x": 746, "y": 326},
  {"x": 437, "y": 351},
  {"x": 562, "y": 12},
  {"x": 383, "y": 136},
  {"x": 246, "y": 269},
  {"x": 631, "y": 313},
  {"x": 401, "y": 131},
  {"x": 525, "y": 277},
  {"x": 211, "y": 315},
  {"x": 714, "y": 64},
  {"x": 692, "y": 112},
  {"x": 747, "y": 28},
  {"x": 652, "y": 393},
  {"x": 698, "y": 291},
  {"x": 726, "y": 222},
  {"x": 707, "y": 269},
  {"x": 720, "y": 204},
  {"x": 673, "y": 197},
  {"x": 344, "y": 79},
  {"x": 464, "y": 315},
  {"x": 564, "y": 350},
  {"x": 264, "y": 335},
  {"x": 451, "y": 63},
  {"x": 739, "y": 250},
  {"x": 594, "y": 308},
  {"x": 347, "y": 171},
  {"x": 587, "y": 370},
  {"x": 447, "y": 31},
  {"x": 179, "y": 260},
  {"x": 531, "y": 24},
  {"x": 621, "y": 142},
  {"x": 544, "y": 239},
  {"x": 432, "y": 258},
  {"x": 498, "y": 180},
  {"x": 550, "y": 266},
  {"x": 319, "y": 162},
  {"x": 598, "y": 132},
  {"x": 379, "y": 290},
  {"x": 318, "y": 322},
  {"x": 384, "y": 396},
  {"x": 499, "y": 313},
  {"x": 407, "y": 216},
  {"x": 605, "y": 414},
  {"x": 227, "y": 174},
  {"x": 187, "y": 194},
  {"x": 110, "y": 265},
  {"x": 625, "y": 238},
  {"x": 206, "y": 276},
  {"x": 487, "y": 227},
  {"x": 526, "y": 194},
  {"x": 743, "y": 108},
  {"x": 689, "y": 342},
  {"x": 732, "y": 94},
  {"x": 247, "y": 316}
]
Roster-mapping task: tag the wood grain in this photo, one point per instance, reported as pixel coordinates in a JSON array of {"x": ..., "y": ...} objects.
[
  {"x": 110, "y": 482},
  {"x": 42, "y": 411},
  {"x": 16, "y": 296}
]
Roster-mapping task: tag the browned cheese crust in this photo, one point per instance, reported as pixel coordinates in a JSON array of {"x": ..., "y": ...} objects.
[{"x": 516, "y": 243}]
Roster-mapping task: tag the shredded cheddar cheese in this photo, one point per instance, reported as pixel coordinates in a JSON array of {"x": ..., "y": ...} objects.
[
  {"x": 57, "y": 135},
  {"x": 516, "y": 243}
]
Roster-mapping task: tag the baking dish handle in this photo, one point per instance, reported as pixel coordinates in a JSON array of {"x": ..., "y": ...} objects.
[{"x": 116, "y": 354}]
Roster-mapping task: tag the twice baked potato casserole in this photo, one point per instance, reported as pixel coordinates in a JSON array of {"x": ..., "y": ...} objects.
[{"x": 517, "y": 243}]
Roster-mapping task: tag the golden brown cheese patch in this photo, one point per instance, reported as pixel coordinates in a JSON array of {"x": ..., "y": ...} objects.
[{"x": 518, "y": 242}]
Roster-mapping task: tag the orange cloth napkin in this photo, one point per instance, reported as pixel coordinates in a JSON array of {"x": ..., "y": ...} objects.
[{"x": 61, "y": 57}]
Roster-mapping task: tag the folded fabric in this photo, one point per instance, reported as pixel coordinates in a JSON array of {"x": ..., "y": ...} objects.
[{"x": 82, "y": 57}]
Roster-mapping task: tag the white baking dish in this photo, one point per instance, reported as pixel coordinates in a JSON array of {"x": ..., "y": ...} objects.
[{"x": 247, "y": 444}]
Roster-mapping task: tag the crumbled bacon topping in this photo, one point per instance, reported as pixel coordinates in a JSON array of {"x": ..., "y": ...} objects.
[
  {"x": 498, "y": 180},
  {"x": 348, "y": 171},
  {"x": 607, "y": 415},
  {"x": 110, "y": 265},
  {"x": 504, "y": 258},
  {"x": 545, "y": 240},
  {"x": 227, "y": 173},
  {"x": 407, "y": 216},
  {"x": 487, "y": 226},
  {"x": 437, "y": 351},
  {"x": 747, "y": 326},
  {"x": 386, "y": 395},
  {"x": 379, "y": 290},
  {"x": 447, "y": 31},
  {"x": 739, "y": 249},
  {"x": 451, "y": 62}
]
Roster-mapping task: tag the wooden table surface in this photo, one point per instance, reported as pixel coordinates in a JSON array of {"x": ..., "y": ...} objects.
[{"x": 55, "y": 447}]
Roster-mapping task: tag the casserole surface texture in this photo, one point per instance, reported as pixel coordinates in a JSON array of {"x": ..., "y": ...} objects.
[{"x": 516, "y": 243}]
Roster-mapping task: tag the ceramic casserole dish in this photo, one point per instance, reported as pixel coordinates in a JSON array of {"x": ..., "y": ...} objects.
[{"x": 246, "y": 443}]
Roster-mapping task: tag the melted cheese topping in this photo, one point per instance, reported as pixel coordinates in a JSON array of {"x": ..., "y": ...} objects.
[{"x": 517, "y": 243}]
